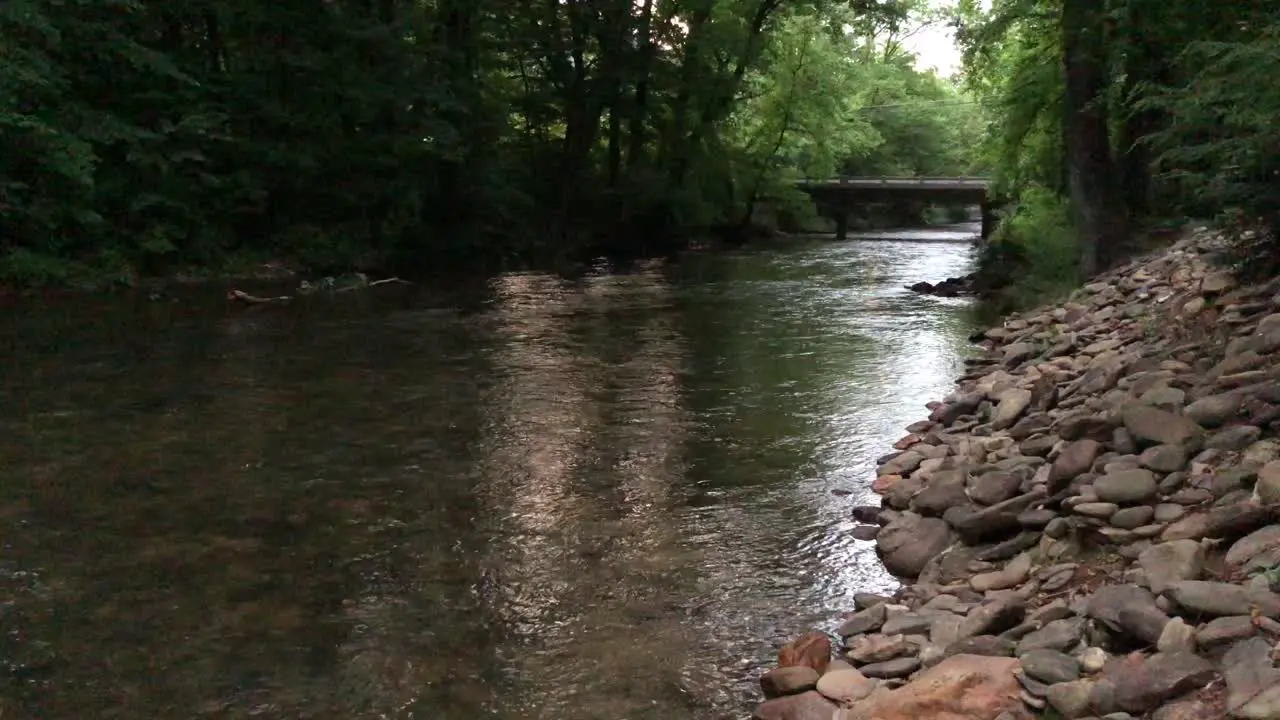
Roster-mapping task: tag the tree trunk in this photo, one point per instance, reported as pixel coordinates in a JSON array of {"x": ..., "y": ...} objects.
[{"x": 1095, "y": 191}]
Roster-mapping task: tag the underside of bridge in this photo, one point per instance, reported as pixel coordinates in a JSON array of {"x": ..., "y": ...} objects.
[{"x": 835, "y": 199}]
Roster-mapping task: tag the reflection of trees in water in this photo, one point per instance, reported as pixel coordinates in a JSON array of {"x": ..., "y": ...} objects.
[{"x": 583, "y": 444}]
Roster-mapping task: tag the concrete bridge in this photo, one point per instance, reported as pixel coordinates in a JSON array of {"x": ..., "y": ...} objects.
[{"x": 837, "y": 196}]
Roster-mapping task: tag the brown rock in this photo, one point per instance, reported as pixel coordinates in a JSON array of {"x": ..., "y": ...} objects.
[
  {"x": 907, "y": 544},
  {"x": 1153, "y": 426},
  {"x": 884, "y": 482},
  {"x": 962, "y": 687},
  {"x": 788, "y": 680},
  {"x": 1075, "y": 459},
  {"x": 813, "y": 649},
  {"x": 805, "y": 706},
  {"x": 1142, "y": 685}
]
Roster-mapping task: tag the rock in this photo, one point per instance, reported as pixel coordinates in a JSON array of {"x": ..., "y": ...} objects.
[
  {"x": 994, "y": 522},
  {"x": 845, "y": 686},
  {"x": 1168, "y": 512},
  {"x": 994, "y": 487},
  {"x": 985, "y": 645},
  {"x": 805, "y": 706},
  {"x": 866, "y": 533},
  {"x": 1013, "y": 574},
  {"x": 863, "y": 622},
  {"x": 1177, "y": 637},
  {"x": 1061, "y": 635},
  {"x": 1126, "y": 486},
  {"x": 788, "y": 680},
  {"x": 1072, "y": 699},
  {"x": 866, "y": 601},
  {"x": 1100, "y": 510},
  {"x": 1231, "y": 520},
  {"x": 909, "y": 542},
  {"x": 1253, "y": 685},
  {"x": 1093, "y": 659},
  {"x": 877, "y": 648},
  {"x": 1261, "y": 544},
  {"x": 1234, "y": 438},
  {"x": 895, "y": 668},
  {"x": 1153, "y": 426},
  {"x": 1219, "y": 598},
  {"x": 1164, "y": 458},
  {"x": 1267, "y": 489},
  {"x": 1128, "y": 609},
  {"x": 1075, "y": 459},
  {"x": 1133, "y": 517},
  {"x": 1013, "y": 403},
  {"x": 1214, "y": 410},
  {"x": 1225, "y": 631},
  {"x": 962, "y": 687},
  {"x": 810, "y": 650},
  {"x": 994, "y": 616},
  {"x": 1171, "y": 562},
  {"x": 1143, "y": 685},
  {"x": 904, "y": 463},
  {"x": 907, "y": 624},
  {"x": 1050, "y": 666}
]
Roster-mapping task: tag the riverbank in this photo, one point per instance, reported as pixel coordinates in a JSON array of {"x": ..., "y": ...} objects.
[{"x": 1088, "y": 521}]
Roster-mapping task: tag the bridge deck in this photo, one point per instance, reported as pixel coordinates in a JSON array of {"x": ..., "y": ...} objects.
[{"x": 897, "y": 183}]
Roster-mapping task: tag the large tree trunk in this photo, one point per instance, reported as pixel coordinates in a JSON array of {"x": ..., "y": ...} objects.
[{"x": 1091, "y": 171}]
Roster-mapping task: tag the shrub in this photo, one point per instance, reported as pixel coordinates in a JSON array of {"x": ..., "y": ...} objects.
[{"x": 1033, "y": 255}]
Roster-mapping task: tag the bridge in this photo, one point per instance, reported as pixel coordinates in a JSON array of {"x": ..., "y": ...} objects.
[{"x": 836, "y": 196}]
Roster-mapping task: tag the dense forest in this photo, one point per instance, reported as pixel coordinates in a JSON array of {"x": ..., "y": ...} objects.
[
  {"x": 1109, "y": 117},
  {"x": 142, "y": 136}
]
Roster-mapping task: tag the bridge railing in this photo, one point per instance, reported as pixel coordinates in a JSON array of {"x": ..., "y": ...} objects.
[{"x": 937, "y": 182}]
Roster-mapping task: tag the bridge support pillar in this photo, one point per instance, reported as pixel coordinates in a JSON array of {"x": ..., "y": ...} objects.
[
  {"x": 988, "y": 219},
  {"x": 842, "y": 224}
]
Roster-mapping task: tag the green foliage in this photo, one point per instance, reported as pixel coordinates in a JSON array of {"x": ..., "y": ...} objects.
[
  {"x": 142, "y": 137},
  {"x": 1032, "y": 256}
]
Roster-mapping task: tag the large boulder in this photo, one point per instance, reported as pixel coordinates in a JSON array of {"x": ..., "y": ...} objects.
[
  {"x": 908, "y": 543},
  {"x": 961, "y": 687}
]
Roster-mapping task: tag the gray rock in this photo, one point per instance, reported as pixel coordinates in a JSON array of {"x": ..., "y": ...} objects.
[
  {"x": 896, "y": 668},
  {"x": 788, "y": 680},
  {"x": 1133, "y": 517},
  {"x": 863, "y": 622},
  {"x": 1168, "y": 512},
  {"x": 1072, "y": 699},
  {"x": 1171, "y": 562},
  {"x": 1219, "y": 598},
  {"x": 902, "y": 464},
  {"x": 909, "y": 542},
  {"x": 1100, "y": 510},
  {"x": 877, "y": 648},
  {"x": 993, "y": 616},
  {"x": 1153, "y": 426},
  {"x": 1050, "y": 666},
  {"x": 866, "y": 533},
  {"x": 1143, "y": 686},
  {"x": 1260, "y": 544},
  {"x": 1074, "y": 460},
  {"x": 866, "y": 601},
  {"x": 1061, "y": 635},
  {"x": 1093, "y": 659},
  {"x": 907, "y": 624},
  {"x": 1268, "y": 486},
  {"x": 994, "y": 487},
  {"x": 1126, "y": 486},
  {"x": 1214, "y": 410},
  {"x": 1127, "y": 609},
  {"x": 1253, "y": 685},
  {"x": 1011, "y": 406},
  {"x": 1177, "y": 637},
  {"x": 1164, "y": 458},
  {"x": 1234, "y": 438},
  {"x": 1222, "y": 631},
  {"x": 987, "y": 645}
]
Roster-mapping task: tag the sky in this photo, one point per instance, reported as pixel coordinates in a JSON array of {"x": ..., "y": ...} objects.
[{"x": 935, "y": 47}]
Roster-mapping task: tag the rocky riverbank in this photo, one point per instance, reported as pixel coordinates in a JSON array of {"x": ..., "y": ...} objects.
[{"x": 1090, "y": 523}]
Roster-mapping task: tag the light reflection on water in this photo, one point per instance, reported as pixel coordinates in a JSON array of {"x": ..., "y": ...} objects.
[{"x": 609, "y": 496}]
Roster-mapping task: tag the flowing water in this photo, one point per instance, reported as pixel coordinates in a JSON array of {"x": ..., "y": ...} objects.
[{"x": 612, "y": 496}]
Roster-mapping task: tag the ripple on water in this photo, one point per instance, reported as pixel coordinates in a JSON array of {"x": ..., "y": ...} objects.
[{"x": 534, "y": 497}]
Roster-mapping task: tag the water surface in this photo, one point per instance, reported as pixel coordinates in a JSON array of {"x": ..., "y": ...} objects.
[{"x": 610, "y": 496}]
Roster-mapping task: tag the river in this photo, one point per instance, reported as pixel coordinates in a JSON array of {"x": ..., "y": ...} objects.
[{"x": 612, "y": 496}]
